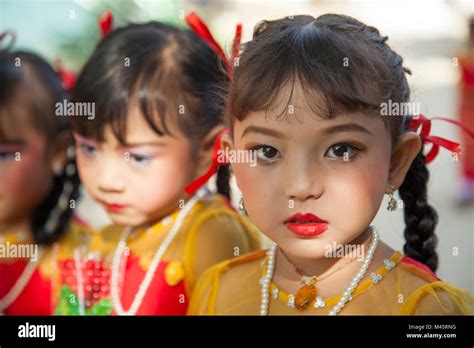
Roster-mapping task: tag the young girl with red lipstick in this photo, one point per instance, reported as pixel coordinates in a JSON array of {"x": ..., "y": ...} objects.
[
  {"x": 308, "y": 98},
  {"x": 157, "y": 96},
  {"x": 39, "y": 185}
]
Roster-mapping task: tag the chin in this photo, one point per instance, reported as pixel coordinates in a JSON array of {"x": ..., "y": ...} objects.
[
  {"x": 126, "y": 220},
  {"x": 311, "y": 248}
]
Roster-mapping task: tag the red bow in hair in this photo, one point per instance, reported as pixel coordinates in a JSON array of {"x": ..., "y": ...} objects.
[
  {"x": 236, "y": 44},
  {"x": 105, "y": 23},
  {"x": 436, "y": 142},
  {"x": 68, "y": 78},
  {"x": 201, "y": 29},
  {"x": 196, "y": 184}
]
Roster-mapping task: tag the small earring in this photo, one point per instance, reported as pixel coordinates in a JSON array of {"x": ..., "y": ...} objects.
[
  {"x": 241, "y": 203},
  {"x": 57, "y": 168},
  {"x": 392, "y": 202}
]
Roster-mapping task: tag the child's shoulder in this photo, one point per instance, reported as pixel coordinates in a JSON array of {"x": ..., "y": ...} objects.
[
  {"x": 228, "y": 279},
  {"x": 427, "y": 294},
  {"x": 216, "y": 222}
]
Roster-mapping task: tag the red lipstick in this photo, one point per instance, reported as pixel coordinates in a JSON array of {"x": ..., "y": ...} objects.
[
  {"x": 306, "y": 225},
  {"x": 112, "y": 207}
]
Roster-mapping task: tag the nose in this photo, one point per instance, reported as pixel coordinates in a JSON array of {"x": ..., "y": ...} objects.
[
  {"x": 109, "y": 176},
  {"x": 303, "y": 181}
]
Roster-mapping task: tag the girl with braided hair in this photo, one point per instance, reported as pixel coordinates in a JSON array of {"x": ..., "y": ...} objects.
[
  {"x": 39, "y": 184},
  {"x": 309, "y": 97}
]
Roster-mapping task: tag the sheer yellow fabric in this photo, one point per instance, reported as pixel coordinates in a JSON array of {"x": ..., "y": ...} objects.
[
  {"x": 211, "y": 232},
  {"x": 232, "y": 288}
]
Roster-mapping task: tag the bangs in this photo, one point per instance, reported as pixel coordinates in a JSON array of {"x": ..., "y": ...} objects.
[
  {"x": 328, "y": 62},
  {"x": 156, "y": 92},
  {"x": 157, "y": 79}
]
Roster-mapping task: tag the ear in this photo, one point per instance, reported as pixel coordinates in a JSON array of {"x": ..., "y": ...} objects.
[
  {"x": 59, "y": 152},
  {"x": 227, "y": 143},
  {"x": 205, "y": 151},
  {"x": 406, "y": 149}
]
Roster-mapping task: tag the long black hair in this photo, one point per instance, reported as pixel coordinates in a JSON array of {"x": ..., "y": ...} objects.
[
  {"x": 51, "y": 218},
  {"x": 313, "y": 51},
  {"x": 173, "y": 73}
]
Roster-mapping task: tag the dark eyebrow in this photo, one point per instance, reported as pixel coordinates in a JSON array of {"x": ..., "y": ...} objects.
[
  {"x": 347, "y": 127},
  {"x": 261, "y": 130}
]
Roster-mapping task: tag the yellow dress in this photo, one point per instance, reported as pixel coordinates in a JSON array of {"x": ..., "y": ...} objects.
[
  {"x": 403, "y": 287},
  {"x": 211, "y": 232}
]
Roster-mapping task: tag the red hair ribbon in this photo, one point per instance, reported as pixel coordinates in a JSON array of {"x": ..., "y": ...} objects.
[
  {"x": 196, "y": 184},
  {"x": 105, "y": 23},
  {"x": 236, "y": 41},
  {"x": 436, "y": 142},
  {"x": 68, "y": 78},
  {"x": 201, "y": 29}
]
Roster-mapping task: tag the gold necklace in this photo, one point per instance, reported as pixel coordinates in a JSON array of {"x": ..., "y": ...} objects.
[{"x": 308, "y": 292}]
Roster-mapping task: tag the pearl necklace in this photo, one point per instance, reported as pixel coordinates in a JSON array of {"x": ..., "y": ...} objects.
[
  {"x": 80, "y": 281},
  {"x": 20, "y": 284},
  {"x": 137, "y": 301},
  {"x": 346, "y": 296}
]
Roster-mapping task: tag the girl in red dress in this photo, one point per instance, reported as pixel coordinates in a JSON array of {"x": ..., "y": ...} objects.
[{"x": 38, "y": 183}]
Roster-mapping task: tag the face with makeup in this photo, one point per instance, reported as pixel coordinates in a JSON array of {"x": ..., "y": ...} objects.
[
  {"x": 336, "y": 169},
  {"x": 143, "y": 180},
  {"x": 26, "y": 174}
]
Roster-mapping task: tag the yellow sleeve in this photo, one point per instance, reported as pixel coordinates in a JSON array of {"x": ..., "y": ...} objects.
[
  {"x": 439, "y": 298},
  {"x": 203, "y": 299},
  {"x": 217, "y": 235}
]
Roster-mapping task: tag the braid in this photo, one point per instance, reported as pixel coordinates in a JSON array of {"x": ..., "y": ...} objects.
[
  {"x": 420, "y": 217},
  {"x": 51, "y": 218},
  {"x": 222, "y": 183}
]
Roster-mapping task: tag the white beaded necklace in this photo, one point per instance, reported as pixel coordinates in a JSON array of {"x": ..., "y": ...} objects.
[
  {"x": 20, "y": 283},
  {"x": 137, "y": 301},
  {"x": 346, "y": 296},
  {"x": 80, "y": 281}
]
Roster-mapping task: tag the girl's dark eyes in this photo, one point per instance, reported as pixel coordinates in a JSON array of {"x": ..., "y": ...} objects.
[
  {"x": 87, "y": 149},
  {"x": 7, "y": 156},
  {"x": 266, "y": 153},
  {"x": 140, "y": 161},
  {"x": 342, "y": 151}
]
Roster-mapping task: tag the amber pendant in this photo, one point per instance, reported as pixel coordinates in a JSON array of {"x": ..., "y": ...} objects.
[{"x": 306, "y": 294}]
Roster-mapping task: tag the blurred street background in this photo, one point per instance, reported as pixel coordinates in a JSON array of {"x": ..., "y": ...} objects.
[{"x": 428, "y": 34}]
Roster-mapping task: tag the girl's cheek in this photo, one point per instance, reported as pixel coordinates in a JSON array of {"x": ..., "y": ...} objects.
[
  {"x": 354, "y": 195},
  {"x": 162, "y": 185},
  {"x": 87, "y": 172},
  {"x": 261, "y": 193},
  {"x": 251, "y": 181},
  {"x": 25, "y": 184}
]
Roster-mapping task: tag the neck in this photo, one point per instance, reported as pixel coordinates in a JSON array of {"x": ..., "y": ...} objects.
[{"x": 286, "y": 264}]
